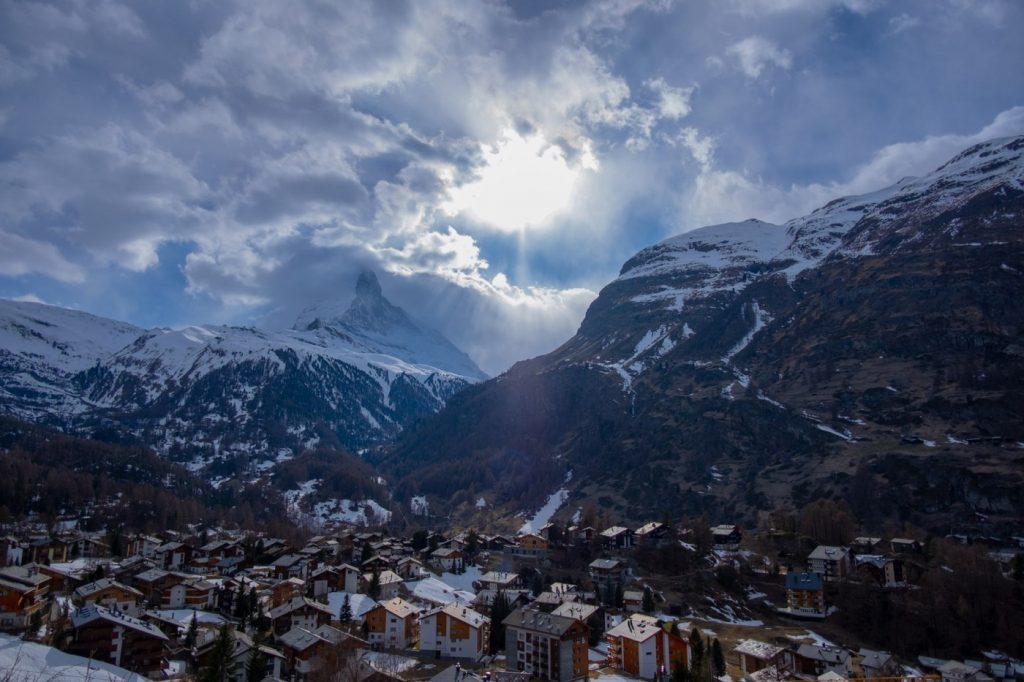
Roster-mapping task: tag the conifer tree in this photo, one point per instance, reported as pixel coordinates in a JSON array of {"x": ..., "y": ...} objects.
[
  {"x": 220, "y": 657},
  {"x": 374, "y": 589},
  {"x": 500, "y": 608},
  {"x": 193, "y": 632},
  {"x": 648, "y": 601},
  {"x": 717, "y": 657},
  {"x": 345, "y": 615},
  {"x": 256, "y": 668}
]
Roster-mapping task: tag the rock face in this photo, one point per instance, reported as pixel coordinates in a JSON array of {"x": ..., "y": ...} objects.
[
  {"x": 869, "y": 351},
  {"x": 230, "y": 394}
]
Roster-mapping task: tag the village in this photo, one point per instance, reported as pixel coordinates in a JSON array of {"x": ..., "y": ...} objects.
[{"x": 552, "y": 603}]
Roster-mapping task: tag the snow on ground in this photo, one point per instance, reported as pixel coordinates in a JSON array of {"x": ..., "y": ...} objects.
[
  {"x": 34, "y": 662},
  {"x": 481, "y": 503},
  {"x": 761, "y": 318},
  {"x": 828, "y": 429},
  {"x": 463, "y": 581},
  {"x": 438, "y": 592},
  {"x": 419, "y": 506},
  {"x": 184, "y": 616},
  {"x": 544, "y": 514},
  {"x": 359, "y": 603},
  {"x": 813, "y": 636},
  {"x": 390, "y": 663}
]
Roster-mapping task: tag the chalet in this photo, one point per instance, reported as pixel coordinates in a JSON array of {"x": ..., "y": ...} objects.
[
  {"x": 110, "y": 594},
  {"x": 547, "y": 647},
  {"x": 151, "y": 583},
  {"x": 805, "y": 595},
  {"x": 865, "y": 545},
  {"x": 105, "y": 635},
  {"x": 516, "y": 598},
  {"x": 410, "y": 569},
  {"x": 327, "y": 579},
  {"x": 447, "y": 559},
  {"x": 43, "y": 549},
  {"x": 604, "y": 571},
  {"x": 818, "y": 659},
  {"x": 243, "y": 648},
  {"x": 377, "y": 562},
  {"x": 548, "y": 601},
  {"x": 617, "y": 537},
  {"x": 499, "y": 580},
  {"x": 641, "y": 647},
  {"x": 189, "y": 594},
  {"x": 389, "y": 582},
  {"x": 582, "y": 535},
  {"x": 172, "y": 556},
  {"x": 455, "y": 630},
  {"x": 142, "y": 545},
  {"x": 392, "y": 623},
  {"x": 831, "y": 563},
  {"x": 23, "y": 593},
  {"x": 300, "y": 612},
  {"x": 285, "y": 590},
  {"x": 496, "y": 543},
  {"x": 531, "y": 544},
  {"x": 726, "y": 536},
  {"x": 292, "y": 566},
  {"x": 905, "y": 546},
  {"x": 755, "y": 655},
  {"x": 88, "y": 547},
  {"x": 308, "y": 650},
  {"x": 633, "y": 600},
  {"x": 882, "y": 570},
  {"x": 653, "y": 534},
  {"x": 878, "y": 663}
]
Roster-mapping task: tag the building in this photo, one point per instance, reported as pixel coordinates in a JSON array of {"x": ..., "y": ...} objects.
[
  {"x": 23, "y": 593},
  {"x": 878, "y": 663},
  {"x": 531, "y": 544},
  {"x": 113, "y": 637},
  {"x": 392, "y": 623},
  {"x": 455, "y": 630},
  {"x": 604, "y": 571},
  {"x": 448, "y": 559},
  {"x": 818, "y": 659},
  {"x": 805, "y": 595},
  {"x": 497, "y": 580},
  {"x": 726, "y": 536},
  {"x": 546, "y": 646},
  {"x": 831, "y": 563},
  {"x": 617, "y": 537},
  {"x": 110, "y": 594},
  {"x": 299, "y": 612},
  {"x": 642, "y": 647},
  {"x": 653, "y": 534},
  {"x": 306, "y": 651},
  {"x": 755, "y": 655}
]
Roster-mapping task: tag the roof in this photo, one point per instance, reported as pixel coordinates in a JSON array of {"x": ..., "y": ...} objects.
[
  {"x": 649, "y": 527},
  {"x": 724, "y": 529},
  {"x": 614, "y": 531},
  {"x": 102, "y": 584},
  {"x": 831, "y": 676},
  {"x": 296, "y": 603},
  {"x": 605, "y": 564},
  {"x": 399, "y": 607},
  {"x": 27, "y": 577},
  {"x": 445, "y": 552},
  {"x": 758, "y": 649},
  {"x": 151, "y": 575},
  {"x": 301, "y": 639},
  {"x": 874, "y": 659},
  {"x": 460, "y": 613},
  {"x": 94, "y": 612},
  {"x": 577, "y": 610},
  {"x": 827, "y": 654},
  {"x": 498, "y": 577},
  {"x": 538, "y": 621},
  {"x": 803, "y": 581},
  {"x": 637, "y": 627},
  {"x": 828, "y": 553}
]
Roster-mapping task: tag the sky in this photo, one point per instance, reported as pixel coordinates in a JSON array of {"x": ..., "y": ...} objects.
[{"x": 495, "y": 163}]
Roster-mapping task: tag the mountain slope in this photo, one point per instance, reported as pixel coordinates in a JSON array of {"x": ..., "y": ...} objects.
[
  {"x": 230, "y": 394},
  {"x": 868, "y": 351}
]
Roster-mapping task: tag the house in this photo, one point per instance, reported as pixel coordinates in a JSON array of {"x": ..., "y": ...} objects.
[
  {"x": 805, "y": 595},
  {"x": 755, "y": 655},
  {"x": 604, "y": 571},
  {"x": 640, "y": 646},
  {"x": 818, "y": 659},
  {"x": 955, "y": 671},
  {"x": 653, "y": 534},
  {"x": 172, "y": 556},
  {"x": 189, "y": 594},
  {"x": 389, "y": 583},
  {"x": 410, "y": 569},
  {"x": 882, "y": 570},
  {"x": 499, "y": 580},
  {"x": 242, "y": 649},
  {"x": 865, "y": 545},
  {"x": 23, "y": 593},
  {"x": 150, "y": 582},
  {"x": 43, "y": 549},
  {"x": 109, "y": 593},
  {"x": 633, "y": 600},
  {"x": 531, "y": 544},
  {"x": 299, "y": 612},
  {"x": 878, "y": 664},
  {"x": 392, "y": 623},
  {"x": 726, "y": 536},
  {"x": 617, "y": 537},
  {"x": 831, "y": 563},
  {"x": 285, "y": 590},
  {"x": 142, "y": 545},
  {"x": 455, "y": 630},
  {"x": 306, "y": 651},
  {"x": 546, "y": 646},
  {"x": 112, "y": 637},
  {"x": 905, "y": 546},
  {"x": 292, "y": 566},
  {"x": 448, "y": 559}
]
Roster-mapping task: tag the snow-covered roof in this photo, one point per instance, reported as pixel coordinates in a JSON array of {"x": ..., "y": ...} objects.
[
  {"x": 828, "y": 553},
  {"x": 577, "y": 610},
  {"x": 301, "y": 639},
  {"x": 36, "y": 661},
  {"x": 637, "y": 627},
  {"x": 94, "y": 612},
  {"x": 399, "y": 607},
  {"x": 758, "y": 649},
  {"x": 102, "y": 584},
  {"x": 827, "y": 654},
  {"x": 460, "y": 613}
]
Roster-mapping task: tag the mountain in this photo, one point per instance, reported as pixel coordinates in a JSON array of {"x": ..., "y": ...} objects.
[
  {"x": 870, "y": 352},
  {"x": 226, "y": 397}
]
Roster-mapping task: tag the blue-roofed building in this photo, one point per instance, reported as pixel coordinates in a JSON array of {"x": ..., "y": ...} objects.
[{"x": 805, "y": 595}]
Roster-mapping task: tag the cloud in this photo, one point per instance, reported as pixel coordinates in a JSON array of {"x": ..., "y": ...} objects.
[
  {"x": 22, "y": 256},
  {"x": 755, "y": 53},
  {"x": 903, "y": 22}
]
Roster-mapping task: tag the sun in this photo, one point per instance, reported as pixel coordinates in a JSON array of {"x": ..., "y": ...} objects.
[{"x": 524, "y": 183}]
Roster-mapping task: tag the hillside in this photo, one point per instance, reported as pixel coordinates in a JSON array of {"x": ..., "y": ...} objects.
[{"x": 869, "y": 351}]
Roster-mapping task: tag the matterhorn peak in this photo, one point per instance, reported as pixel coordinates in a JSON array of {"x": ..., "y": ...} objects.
[{"x": 367, "y": 286}]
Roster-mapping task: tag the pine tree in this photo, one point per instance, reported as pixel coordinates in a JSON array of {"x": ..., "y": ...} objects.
[
  {"x": 500, "y": 608},
  {"x": 345, "y": 615},
  {"x": 717, "y": 657},
  {"x": 374, "y": 589},
  {"x": 648, "y": 601},
  {"x": 620, "y": 597},
  {"x": 220, "y": 657},
  {"x": 193, "y": 632},
  {"x": 696, "y": 653},
  {"x": 256, "y": 668}
]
